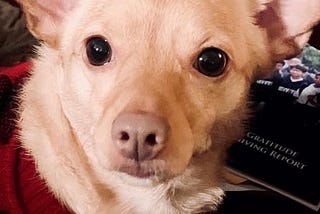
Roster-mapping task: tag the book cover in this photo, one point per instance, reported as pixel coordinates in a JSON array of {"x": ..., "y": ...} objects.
[{"x": 281, "y": 147}]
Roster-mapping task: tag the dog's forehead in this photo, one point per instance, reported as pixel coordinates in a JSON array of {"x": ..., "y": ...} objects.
[
  {"x": 142, "y": 17},
  {"x": 172, "y": 27},
  {"x": 163, "y": 30}
]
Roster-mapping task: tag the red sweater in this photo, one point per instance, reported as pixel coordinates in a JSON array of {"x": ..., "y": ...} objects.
[{"x": 21, "y": 188}]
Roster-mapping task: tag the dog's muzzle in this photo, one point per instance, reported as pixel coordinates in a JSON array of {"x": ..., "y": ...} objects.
[{"x": 139, "y": 137}]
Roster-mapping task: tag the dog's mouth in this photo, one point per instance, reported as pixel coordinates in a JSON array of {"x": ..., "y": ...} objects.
[
  {"x": 138, "y": 171},
  {"x": 144, "y": 169}
]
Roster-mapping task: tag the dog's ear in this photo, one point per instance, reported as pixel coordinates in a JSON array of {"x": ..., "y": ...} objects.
[
  {"x": 44, "y": 17},
  {"x": 288, "y": 24}
]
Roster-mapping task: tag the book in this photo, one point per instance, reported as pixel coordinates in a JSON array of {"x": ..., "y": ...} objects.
[{"x": 281, "y": 148}]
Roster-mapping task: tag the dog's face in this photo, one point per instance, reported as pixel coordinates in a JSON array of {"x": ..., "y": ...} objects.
[
  {"x": 147, "y": 86},
  {"x": 173, "y": 68}
]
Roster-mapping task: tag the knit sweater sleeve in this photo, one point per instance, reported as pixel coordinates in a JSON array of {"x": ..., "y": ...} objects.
[{"x": 22, "y": 190}]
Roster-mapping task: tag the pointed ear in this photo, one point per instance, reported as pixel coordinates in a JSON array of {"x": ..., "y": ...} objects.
[
  {"x": 44, "y": 17},
  {"x": 288, "y": 24}
]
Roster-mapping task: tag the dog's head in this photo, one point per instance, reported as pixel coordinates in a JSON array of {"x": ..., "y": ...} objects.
[{"x": 147, "y": 86}]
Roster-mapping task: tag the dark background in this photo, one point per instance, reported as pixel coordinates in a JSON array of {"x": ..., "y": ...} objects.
[
  {"x": 266, "y": 202},
  {"x": 315, "y": 38}
]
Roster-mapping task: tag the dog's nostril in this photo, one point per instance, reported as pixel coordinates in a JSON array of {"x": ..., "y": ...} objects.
[
  {"x": 151, "y": 139},
  {"x": 124, "y": 136}
]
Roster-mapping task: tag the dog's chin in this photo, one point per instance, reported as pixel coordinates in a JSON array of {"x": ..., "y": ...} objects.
[{"x": 136, "y": 181}]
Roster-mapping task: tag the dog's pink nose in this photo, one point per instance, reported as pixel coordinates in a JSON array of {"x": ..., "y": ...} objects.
[{"x": 139, "y": 136}]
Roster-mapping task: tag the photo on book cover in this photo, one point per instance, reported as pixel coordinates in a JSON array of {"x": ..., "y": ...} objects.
[{"x": 280, "y": 149}]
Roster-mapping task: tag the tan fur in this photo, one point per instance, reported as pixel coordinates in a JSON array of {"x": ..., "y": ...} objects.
[{"x": 68, "y": 105}]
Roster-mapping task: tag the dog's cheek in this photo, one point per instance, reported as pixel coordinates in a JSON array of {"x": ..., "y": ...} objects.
[
  {"x": 180, "y": 146},
  {"x": 105, "y": 153},
  {"x": 200, "y": 122},
  {"x": 219, "y": 110},
  {"x": 75, "y": 95}
]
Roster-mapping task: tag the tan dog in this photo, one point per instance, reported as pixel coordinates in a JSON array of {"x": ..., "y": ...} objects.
[{"x": 132, "y": 105}]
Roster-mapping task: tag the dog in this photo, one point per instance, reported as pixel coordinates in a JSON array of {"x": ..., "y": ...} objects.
[{"x": 132, "y": 105}]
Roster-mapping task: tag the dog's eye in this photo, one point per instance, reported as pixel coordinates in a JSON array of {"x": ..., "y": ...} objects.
[
  {"x": 211, "y": 62},
  {"x": 98, "y": 51}
]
